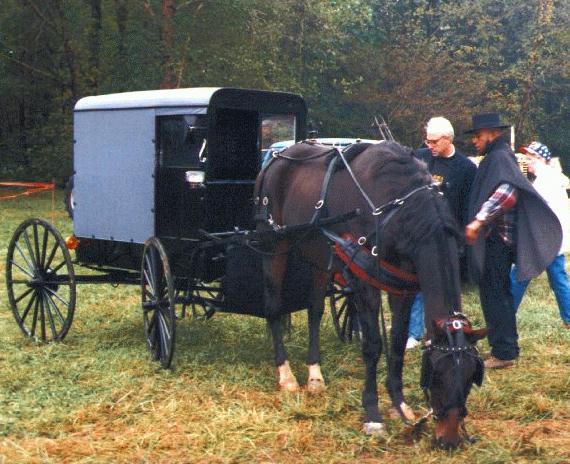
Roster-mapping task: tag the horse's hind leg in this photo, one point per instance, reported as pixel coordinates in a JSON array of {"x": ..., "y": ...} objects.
[
  {"x": 367, "y": 303},
  {"x": 400, "y": 308},
  {"x": 315, "y": 381},
  {"x": 273, "y": 275}
]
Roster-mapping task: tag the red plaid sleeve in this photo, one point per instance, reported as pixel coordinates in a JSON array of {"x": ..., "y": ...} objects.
[{"x": 503, "y": 199}]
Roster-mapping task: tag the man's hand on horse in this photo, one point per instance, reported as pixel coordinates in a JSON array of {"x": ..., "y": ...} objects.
[{"x": 472, "y": 231}]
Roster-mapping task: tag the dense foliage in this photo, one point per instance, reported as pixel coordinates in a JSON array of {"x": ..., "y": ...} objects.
[{"x": 350, "y": 59}]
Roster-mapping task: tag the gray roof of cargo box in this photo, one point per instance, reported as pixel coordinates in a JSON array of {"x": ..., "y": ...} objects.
[
  {"x": 199, "y": 96},
  {"x": 202, "y": 98}
]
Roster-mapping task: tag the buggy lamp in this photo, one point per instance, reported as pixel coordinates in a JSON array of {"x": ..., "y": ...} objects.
[
  {"x": 71, "y": 242},
  {"x": 195, "y": 178}
]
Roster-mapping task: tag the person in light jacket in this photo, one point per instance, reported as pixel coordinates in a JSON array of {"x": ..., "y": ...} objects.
[{"x": 551, "y": 184}]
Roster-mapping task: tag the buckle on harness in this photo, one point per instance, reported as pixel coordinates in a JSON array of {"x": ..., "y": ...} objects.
[
  {"x": 319, "y": 204},
  {"x": 457, "y": 324}
]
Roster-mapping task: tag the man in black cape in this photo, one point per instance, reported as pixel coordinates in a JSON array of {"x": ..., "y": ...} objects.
[{"x": 509, "y": 223}]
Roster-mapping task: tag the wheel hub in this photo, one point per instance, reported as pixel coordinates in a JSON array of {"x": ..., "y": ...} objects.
[{"x": 41, "y": 278}]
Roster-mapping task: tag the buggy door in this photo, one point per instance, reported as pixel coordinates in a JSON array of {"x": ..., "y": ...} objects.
[
  {"x": 233, "y": 164},
  {"x": 181, "y": 152},
  {"x": 237, "y": 140}
]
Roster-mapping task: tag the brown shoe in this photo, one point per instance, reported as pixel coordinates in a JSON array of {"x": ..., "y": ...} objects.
[
  {"x": 496, "y": 363},
  {"x": 566, "y": 325}
]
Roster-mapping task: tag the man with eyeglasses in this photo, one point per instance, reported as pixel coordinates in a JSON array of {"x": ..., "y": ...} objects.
[
  {"x": 454, "y": 174},
  {"x": 451, "y": 170},
  {"x": 509, "y": 223}
]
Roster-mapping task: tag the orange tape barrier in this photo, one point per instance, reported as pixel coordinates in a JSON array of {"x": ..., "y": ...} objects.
[{"x": 31, "y": 188}]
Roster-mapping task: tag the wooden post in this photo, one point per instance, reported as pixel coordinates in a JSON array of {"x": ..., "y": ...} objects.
[{"x": 53, "y": 201}]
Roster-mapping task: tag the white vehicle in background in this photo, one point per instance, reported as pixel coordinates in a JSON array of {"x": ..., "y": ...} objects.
[{"x": 338, "y": 142}]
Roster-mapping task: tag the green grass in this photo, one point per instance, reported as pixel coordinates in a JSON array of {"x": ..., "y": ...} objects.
[{"x": 96, "y": 397}]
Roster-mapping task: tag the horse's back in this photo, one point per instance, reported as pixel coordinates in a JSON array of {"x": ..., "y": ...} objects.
[
  {"x": 292, "y": 182},
  {"x": 292, "y": 185}
]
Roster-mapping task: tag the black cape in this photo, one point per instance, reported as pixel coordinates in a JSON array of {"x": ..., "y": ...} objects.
[{"x": 538, "y": 231}]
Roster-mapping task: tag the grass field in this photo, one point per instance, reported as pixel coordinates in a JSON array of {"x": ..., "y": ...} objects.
[{"x": 96, "y": 397}]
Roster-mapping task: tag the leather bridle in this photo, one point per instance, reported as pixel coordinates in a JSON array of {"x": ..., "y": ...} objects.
[{"x": 456, "y": 348}]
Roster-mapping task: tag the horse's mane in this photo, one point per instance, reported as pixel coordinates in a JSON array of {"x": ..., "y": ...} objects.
[{"x": 426, "y": 214}]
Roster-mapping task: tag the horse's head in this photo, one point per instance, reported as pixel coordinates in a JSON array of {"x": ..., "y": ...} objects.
[{"x": 451, "y": 365}]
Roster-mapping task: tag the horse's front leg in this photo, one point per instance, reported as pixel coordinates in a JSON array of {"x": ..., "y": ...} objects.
[
  {"x": 273, "y": 275},
  {"x": 315, "y": 381},
  {"x": 286, "y": 379},
  {"x": 367, "y": 303},
  {"x": 400, "y": 308}
]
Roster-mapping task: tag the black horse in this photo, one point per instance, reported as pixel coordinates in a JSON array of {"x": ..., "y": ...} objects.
[{"x": 381, "y": 195}]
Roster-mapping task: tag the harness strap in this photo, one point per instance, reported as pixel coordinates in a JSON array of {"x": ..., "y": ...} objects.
[
  {"x": 282, "y": 154},
  {"x": 321, "y": 204},
  {"x": 455, "y": 349},
  {"x": 355, "y": 180},
  {"x": 364, "y": 265}
]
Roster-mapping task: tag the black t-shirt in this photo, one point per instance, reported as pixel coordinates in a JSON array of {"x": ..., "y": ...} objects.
[
  {"x": 439, "y": 169},
  {"x": 454, "y": 176}
]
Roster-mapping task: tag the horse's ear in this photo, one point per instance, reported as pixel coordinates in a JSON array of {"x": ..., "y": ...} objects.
[
  {"x": 438, "y": 330},
  {"x": 475, "y": 335}
]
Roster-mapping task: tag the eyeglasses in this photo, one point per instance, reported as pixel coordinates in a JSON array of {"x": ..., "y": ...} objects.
[{"x": 432, "y": 142}]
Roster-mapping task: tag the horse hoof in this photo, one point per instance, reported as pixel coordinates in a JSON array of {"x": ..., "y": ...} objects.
[
  {"x": 287, "y": 381},
  {"x": 316, "y": 386},
  {"x": 407, "y": 412},
  {"x": 374, "y": 428},
  {"x": 289, "y": 387}
]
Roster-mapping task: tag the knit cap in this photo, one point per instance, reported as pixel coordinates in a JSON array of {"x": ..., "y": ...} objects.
[{"x": 538, "y": 149}]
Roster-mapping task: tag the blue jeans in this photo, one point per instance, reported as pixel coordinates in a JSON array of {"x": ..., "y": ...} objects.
[
  {"x": 558, "y": 280},
  {"x": 416, "y": 327}
]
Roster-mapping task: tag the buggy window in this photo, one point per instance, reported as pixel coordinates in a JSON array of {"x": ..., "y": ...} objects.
[
  {"x": 181, "y": 140},
  {"x": 275, "y": 128}
]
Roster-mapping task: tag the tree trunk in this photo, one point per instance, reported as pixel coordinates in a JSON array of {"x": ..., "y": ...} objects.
[
  {"x": 166, "y": 38},
  {"x": 122, "y": 15},
  {"x": 94, "y": 45}
]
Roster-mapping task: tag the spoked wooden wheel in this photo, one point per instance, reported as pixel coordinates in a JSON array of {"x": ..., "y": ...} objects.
[
  {"x": 344, "y": 313},
  {"x": 202, "y": 295},
  {"x": 40, "y": 281},
  {"x": 158, "y": 302}
]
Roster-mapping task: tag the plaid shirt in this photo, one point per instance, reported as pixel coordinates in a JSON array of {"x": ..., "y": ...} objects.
[{"x": 499, "y": 211}]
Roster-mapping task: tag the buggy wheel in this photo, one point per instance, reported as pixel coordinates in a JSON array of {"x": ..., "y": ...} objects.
[
  {"x": 204, "y": 298},
  {"x": 344, "y": 313},
  {"x": 158, "y": 302},
  {"x": 40, "y": 281}
]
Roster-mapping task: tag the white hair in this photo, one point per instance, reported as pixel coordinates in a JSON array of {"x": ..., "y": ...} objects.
[{"x": 441, "y": 127}]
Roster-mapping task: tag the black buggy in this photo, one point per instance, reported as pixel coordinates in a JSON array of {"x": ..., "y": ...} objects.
[{"x": 162, "y": 197}]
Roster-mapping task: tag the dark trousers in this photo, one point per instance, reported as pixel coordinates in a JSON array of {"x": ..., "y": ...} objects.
[{"x": 497, "y": 299}]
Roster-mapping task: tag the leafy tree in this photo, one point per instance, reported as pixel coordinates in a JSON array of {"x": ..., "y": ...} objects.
[{"x": 350, "y": 59}]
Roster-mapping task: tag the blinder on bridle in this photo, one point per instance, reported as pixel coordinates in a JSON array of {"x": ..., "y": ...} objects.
[{"x": 455, "y": 344}]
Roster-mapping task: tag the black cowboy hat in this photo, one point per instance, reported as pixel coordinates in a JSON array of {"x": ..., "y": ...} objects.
[{"x": 487, "y": 121}]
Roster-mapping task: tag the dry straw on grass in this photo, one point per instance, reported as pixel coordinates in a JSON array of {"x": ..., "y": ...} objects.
[{"x": 96, "y": 398}]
